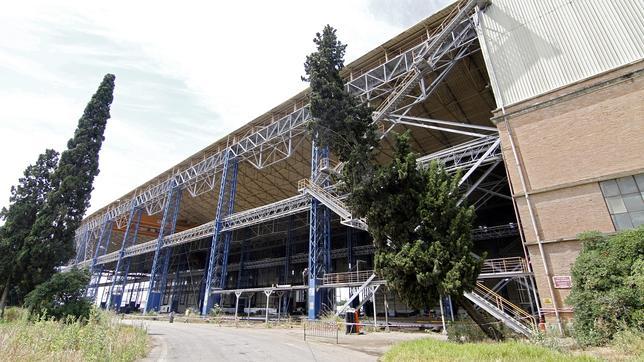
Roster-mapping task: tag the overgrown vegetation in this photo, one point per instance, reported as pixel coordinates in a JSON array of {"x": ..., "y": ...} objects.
[
  {"x": 61, "y": 297},
  {"x": 100, "y": 338},
  {"x": 429, "y": 349},
  {"x": 608, "y": 287}
]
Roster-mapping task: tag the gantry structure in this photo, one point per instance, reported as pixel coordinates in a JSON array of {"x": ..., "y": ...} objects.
[{"x": 263, "y": 198}]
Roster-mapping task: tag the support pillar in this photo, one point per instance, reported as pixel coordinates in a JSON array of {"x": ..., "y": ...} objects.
[
  {"x": 117, "y": 289},
  {"x": 237, "y": 295},
  {"x": 227, "y": 188},
  {"x": 102, "y": 245},
  {"x": 268, "y": 298},
  {"x": 168, "y": 224},
  {"x": 319, "y": 239}
]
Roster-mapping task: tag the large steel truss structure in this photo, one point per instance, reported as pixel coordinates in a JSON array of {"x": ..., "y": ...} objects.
[{"x": 396, "y": 88}]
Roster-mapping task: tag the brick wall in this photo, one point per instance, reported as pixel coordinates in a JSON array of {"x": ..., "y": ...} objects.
[{"x": 567, "y": 141}]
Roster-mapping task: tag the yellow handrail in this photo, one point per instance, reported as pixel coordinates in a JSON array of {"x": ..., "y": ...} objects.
[{"x": 505, "y": 304}]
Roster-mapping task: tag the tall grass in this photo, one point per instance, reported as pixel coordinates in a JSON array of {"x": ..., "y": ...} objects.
[
  {"x": 432, "y": 350},
  {"x": 101, "y": 338}
]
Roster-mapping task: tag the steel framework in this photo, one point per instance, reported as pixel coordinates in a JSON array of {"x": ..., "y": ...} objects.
[{"x": 168, "y": 224}]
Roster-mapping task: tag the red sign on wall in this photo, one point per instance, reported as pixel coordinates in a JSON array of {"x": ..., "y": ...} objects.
[{"x": 562, "y": 281}]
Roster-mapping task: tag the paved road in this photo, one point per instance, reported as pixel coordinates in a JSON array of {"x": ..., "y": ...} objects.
[{"x": 207, "y": 342}]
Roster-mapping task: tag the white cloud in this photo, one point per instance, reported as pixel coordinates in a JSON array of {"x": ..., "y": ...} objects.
[{"x": 187, "y": 73}]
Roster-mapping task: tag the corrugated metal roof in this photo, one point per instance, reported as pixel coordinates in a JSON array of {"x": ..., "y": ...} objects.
[{"x": 535, "y": 46}]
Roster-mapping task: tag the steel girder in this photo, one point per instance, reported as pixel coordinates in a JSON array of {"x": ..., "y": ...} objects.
[
  {"x": 458, "y": 30},
  {"x": 227, "y": 189},
  {"x": 129, "y": 238},
  {"x": 168, "y": 224},
  {"x": 102, "y": 245}
]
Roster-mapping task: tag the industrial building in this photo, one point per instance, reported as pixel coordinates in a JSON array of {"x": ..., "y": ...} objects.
[{"x": 538, "y": 103}]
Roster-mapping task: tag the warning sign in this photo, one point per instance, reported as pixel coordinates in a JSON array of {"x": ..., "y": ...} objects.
[{"x": 562, "y": 281}]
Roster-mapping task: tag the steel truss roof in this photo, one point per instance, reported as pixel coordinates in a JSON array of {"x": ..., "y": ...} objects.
[{"x": 463, "y": 156}]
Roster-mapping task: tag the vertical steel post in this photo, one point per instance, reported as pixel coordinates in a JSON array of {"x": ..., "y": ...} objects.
[
  {"x": 135, "y": 217},
  {"x": 214, "y": 246},
  {"x": 83, "y": 246},
  {"x": 102, "y": 244},
  {"x": 153, "y": 301},
  {"x": 128, "y": 261},
  {"x": 229, "y": 234},
  {"x": 313, "y": 298},
  {"x": 168, "y": 254}
]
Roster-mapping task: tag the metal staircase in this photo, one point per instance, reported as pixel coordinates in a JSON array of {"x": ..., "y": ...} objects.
[
  {"x": 365, "y": 285},
  {"x": 500, "y": 308},
  {"x": 333, "y": 201}
]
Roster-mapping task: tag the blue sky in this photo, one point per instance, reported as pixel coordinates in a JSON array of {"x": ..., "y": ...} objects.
[{"x": 186, "y": 72}]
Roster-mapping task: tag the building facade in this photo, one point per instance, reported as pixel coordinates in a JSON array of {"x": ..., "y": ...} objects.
[{"x": 539, "y": 104}]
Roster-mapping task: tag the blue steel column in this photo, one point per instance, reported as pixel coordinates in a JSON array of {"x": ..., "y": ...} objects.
[
  {"x": 168, "y": 253},
  {"x": 229, "y": 234},
  {"x": 313, "y": 298},
  {"x": 135, "y": 217},
  {"x": 216, "y": 238},
  {"x": 83, "y": 246},
  {"x": 102, "y": 244},
  {"x": 325, "y": 224},
  {"x": 152, "y": 300}
]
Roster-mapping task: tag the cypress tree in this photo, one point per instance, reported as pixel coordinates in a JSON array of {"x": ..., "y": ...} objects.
[
  {"x": 51, "y": 240},
  {"x": 25, "y": 201},
  {"x": 420, "y": 231}
]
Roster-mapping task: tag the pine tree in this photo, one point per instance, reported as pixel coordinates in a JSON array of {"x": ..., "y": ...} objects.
[
  {"x": 25, "y": 201},
  {"x": 51, "y": 240}
]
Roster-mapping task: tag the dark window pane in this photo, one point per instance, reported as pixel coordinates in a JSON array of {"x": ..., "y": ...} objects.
[
  {"x": 615, "y": 205},
  {"x": 640, "y": 181},
  {"x": 622, "y": 221},
  {"x": 637, "y": 218},
  {"x": 627, "y": 185},
  {"x": 633, "y": 202},
  {"x": 609, "y": 188}
]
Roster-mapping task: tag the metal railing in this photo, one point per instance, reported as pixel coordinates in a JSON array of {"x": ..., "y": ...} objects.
[
  {"x": 504, "y": 265},
  {"x": 321, "y": 329},
  {"x": 347, "y": 277},
  {"x": 506, "y": 306}
]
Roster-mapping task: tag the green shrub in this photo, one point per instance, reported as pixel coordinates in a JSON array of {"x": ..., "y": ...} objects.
[
  {"x": 608, "y": 286},
  {"x": 630, "y": 342},
  {"x": 61, "y": 297},
  {"x": 12, "y": 314},
  {"x": 464, "y": 332}
]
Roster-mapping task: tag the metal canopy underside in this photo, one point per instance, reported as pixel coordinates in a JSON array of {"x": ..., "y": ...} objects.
[{"x": 463, "y": 96}]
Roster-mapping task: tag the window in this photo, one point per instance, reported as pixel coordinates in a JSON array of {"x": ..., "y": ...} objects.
[{"x": 625, "y": 200}]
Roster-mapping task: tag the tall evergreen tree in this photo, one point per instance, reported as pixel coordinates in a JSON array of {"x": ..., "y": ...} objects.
[
  {"x": 421, "y": 233},
  {"x": 25, "y": 201},
  {"x": 51, "y": 240},
  {"x": 340, "y": 121}
]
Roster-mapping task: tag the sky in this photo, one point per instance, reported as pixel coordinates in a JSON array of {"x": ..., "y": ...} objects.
[{"x": 187, "y": 73}]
